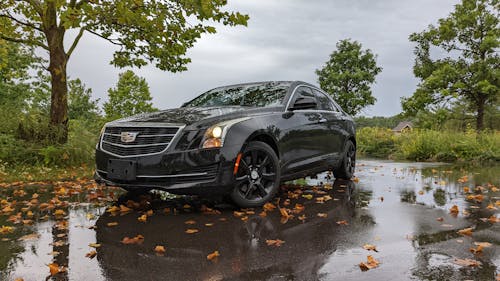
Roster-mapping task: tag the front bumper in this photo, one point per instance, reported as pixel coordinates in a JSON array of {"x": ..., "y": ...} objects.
[{"x": 200, "y": 171}]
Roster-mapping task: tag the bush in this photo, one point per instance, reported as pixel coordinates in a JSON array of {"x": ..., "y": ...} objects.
[
  {"x": 430, "y": 145},
  {"x": 376, "y": 142}
]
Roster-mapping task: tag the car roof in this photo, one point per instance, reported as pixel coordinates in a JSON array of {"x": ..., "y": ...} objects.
[{"x": 290, "y": 83}]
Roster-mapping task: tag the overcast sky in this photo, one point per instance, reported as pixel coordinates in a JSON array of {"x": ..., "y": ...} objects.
[{"x": 284, "y": 40}]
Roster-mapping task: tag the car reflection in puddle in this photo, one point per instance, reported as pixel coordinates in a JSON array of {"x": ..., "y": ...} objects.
[{"x": 241, "y": 241}]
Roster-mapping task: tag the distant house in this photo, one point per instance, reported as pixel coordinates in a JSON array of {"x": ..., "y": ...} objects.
[{"x": 402, "y": 127}]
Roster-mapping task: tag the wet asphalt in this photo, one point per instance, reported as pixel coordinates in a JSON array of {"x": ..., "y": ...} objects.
[{"x": 401, "y": 208}]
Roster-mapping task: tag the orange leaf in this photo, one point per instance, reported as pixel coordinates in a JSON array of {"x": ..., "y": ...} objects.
[
  {"x": 143, "y": 218},
  {"x": 454, "y": 210},
  {"x": 238, "y": 214},
  {"x": 149, "y": 213},
  {"x": 136, "y": 240},
  {"x": 269, "y": 206},
  {"x": 160, "y": 249},
  {"x": 191, "y": 231},
  {"x": 343, "y": 222},
  {"x": 477, "y": 250},
  {"x": 467, "y": 262},
  {"x": 190, "y": 222},
  {"x": 213, "y": 255},
  {"x": 110, "y": 224},
  {"x": 91, "y": 254},
  {"x": 322, "y": 215},
  {"x": 124, "y": 209},
  {"x": 371, "y": 263},
  {"x": 54, "y": 269},
  {"x": 276, "y": 243},
  {"x": 59, "y": 212},
  {"x": 466, "y": 231},
  {"x": 370, "y": 247}
]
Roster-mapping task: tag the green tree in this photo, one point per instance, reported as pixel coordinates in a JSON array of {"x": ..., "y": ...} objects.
[
  {"x": 153, "y": 31},
  {"x": 348, "y": 76},
  {"x": 81, "y": 105},
  {"x": 464, "y": 65},
  {"x": 131, "y": 96}
]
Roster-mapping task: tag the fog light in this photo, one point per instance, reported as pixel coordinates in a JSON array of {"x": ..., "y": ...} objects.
[{"x": 212, "y": 142}]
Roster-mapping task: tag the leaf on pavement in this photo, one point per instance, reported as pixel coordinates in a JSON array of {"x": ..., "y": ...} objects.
[
  {"x": 55, "y": 269},
  {"x": 91, "y": 254},
  {"x": 276, "y": 242},
  {"x": 370, "y": 247},
  {"x": 342, "y": 222},
  {"x": 32, "y": 236},
  {"x": 454, "y": 210},
  {"x": 190, "y": 222},
  {"x": 466, "y": 231},
  {"x": 124, "y": 209},
  {"x": 369, "y": 264},
  {"x": 191, "y": 230},
  {"x": 111, "y": 224},
  {"x": 143, "y": 218},
  {"x": 6, "y": 229},
  {"x": 136, "y": 240},
  {"x": 213, "y": 256},
  {"x": 159, "y": 249},
  {"x": 94, "y": 245},
  {"x": 322, "y": 215},
  {"x": 269, "y": 206}
]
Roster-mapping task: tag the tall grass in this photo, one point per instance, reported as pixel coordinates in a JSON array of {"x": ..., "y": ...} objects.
[{"x": 430, "y": 145}]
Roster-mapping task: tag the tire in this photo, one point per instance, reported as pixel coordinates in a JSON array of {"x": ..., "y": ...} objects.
[
  {"x": 348, "y": 162},
  {"x": 258, "y": 177}
]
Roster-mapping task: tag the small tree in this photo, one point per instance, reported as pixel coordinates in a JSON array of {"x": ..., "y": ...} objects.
[
  {"x": 80, "y": 103},
  {"x": 470, "y": 69},
  {"x": 131, "y": 96},
  {"x": 348, "y": 76}
]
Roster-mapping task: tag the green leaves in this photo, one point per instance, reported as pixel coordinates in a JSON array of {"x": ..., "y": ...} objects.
[
  {"x": 348, "y": 76},
  {"x": 131, "y": 96},
  {"x": 467, "y": 68}
]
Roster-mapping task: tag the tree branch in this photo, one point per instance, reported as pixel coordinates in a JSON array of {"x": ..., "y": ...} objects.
[
  {"x": 24, "y": 41},
  {"x": 111, "y": 40},
  {"x": 36, "y": 5},
  {"x": 75, "y": 42},
  {"x": 28, "y": 24}
]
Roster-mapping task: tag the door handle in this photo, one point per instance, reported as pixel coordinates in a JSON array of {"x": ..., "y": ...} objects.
[{"x": 322, "y": 120}]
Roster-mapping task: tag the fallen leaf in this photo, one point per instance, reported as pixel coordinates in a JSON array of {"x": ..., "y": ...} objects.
[
  {"x": 465, "y": 231},
  {"x": 466, "y": 189},
  {"x": 149, "y": 213},
  {"x": 59, "y": 212},
  {"x": 209, "y": 224},
  {"x": 370, "y": 264},
  {"x": 440, "y": 219},
  {"x": 111, "y": 224},
  {"x": 302, "y": 218},
  {"x": 6, "y": 229},
  {"x": 477, "y": 250},
  {"x": 213, "y": 256},
  {"x": 370, "y": 247},
  {"x": 491, "y": 207},
  {"x": 342, "y": 222},
  {"x": 263, "y": 214},
  {"x": 136, "y": 240},
  {"x": 245, "y": 218},
  {"x": 467, "y": 262},
  {"x": 483, "y": 244},
  {"x": 238, "y": 214},
  {"x": 454, "y": 210},
  {"x": 113, "y": 209},
  {"x": 322, "y": 215},
  {"x": 55, "y": 269},
  {"x": 190, "y": 222},
  {"x": 307, "y": 196},
  {"x": 94, "y": 245},
  {"x": 90, "y": 216},
  {"x": 160, "y": 250},
  {"x": 269, "y": 206},
  {"x": 32, "y": 236},
  {"x": 124, "y": 209},
  {"x": 91, "y": 254},
  {"x": 143, "y": 218},
  {"x": 276, "y": 242},
  {"x": 191, "y": 230}
]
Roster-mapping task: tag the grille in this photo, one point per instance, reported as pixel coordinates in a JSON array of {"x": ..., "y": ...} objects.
[{"x": 149, "y": 140}]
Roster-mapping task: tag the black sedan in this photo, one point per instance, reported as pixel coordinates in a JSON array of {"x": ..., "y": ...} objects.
[{"x": 240, "y": 140}]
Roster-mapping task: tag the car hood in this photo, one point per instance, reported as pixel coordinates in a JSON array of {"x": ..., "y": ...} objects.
[{"x": 198, "y": 116}]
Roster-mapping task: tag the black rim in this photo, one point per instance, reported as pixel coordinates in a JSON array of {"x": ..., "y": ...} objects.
[
  {"x": 256, "y": 175},
  {"x": 351, "y": 159}
]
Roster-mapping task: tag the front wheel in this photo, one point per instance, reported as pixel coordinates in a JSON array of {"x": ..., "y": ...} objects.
[
  {"x": 348, "y": 162},
  {"x": 258, "y": 176}
]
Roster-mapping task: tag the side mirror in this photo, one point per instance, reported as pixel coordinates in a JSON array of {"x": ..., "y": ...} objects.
[{"x": 304, "y": 103}]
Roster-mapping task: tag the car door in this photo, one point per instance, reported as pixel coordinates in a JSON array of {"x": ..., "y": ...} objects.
[
  {"x": 332, "y": 126},
  {"x": 301, "y": 141}
]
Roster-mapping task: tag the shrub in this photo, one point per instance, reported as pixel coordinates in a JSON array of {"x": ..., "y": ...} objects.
[{"x": 376, "y": 142}]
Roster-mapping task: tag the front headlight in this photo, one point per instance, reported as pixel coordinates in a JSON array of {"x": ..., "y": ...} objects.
[{"x": 214, "y": 136}]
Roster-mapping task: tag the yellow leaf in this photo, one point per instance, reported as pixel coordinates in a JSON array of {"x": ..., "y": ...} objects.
[
  {"x": 307, "y": 196},
  {"x": 213, "y": 255},
  {"x": 276, "y": 242},
  {"x": 110, "y": 224},
  {"x": 454, "y": 210},
  {"x": 91, "y": 254},
  {"x": 466, "y": 231},
  {"x": 370, "y": 247},
  {"x": 191, "y": 230},
  {"x": 190, "y": 222},
  {"x": 94, "y": 245},
  {"x": 160, "y": 249},
  {"x": 143, "y": 218}
]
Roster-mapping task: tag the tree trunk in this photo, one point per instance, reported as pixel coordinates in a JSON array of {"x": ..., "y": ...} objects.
[
  {"x": 480, "y": 114},
  {"x": 59, "y": 94}
]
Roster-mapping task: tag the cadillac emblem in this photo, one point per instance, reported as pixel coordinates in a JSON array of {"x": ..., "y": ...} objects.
[{"x": 128, "y": 136}]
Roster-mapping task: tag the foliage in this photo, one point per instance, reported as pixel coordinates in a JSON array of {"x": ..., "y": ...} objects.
[
  {"x": 378, "y": 121},
  {"x": 80, "y": 103},
  {"x": 470, "y": 70},
  {"x": 348, "y": 75},
  {"x": 429, "y": 145},
  {"x": 131, "y": 96},
  {"x": 155, "y": 31}
]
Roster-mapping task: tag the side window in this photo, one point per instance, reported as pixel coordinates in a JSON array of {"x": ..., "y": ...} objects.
[
  {"x": 303, "y": 92},
  {"x": 324, "y": 103}
]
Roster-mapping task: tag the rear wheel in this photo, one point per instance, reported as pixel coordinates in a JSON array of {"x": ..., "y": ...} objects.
[
  {"x": 348, "y": 162},
  {"x": 257, "y": 179}
]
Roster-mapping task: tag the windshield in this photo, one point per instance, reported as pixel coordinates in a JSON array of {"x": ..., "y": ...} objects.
[{"x": 260, "y": 95}]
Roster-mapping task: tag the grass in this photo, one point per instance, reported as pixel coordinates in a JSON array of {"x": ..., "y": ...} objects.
[{"x": 429, "y": 145}]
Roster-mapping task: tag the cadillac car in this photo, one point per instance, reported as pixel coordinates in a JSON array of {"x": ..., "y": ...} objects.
[{"x": 239, "y": 141}]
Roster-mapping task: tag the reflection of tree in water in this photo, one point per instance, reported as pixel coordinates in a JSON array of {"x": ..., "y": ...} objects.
[
  {"x": 439, "y": 197},
  {"x": 408, "y": 196}
]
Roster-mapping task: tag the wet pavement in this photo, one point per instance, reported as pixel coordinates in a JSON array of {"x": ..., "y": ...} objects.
[{"x": 311, "y": 232}]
